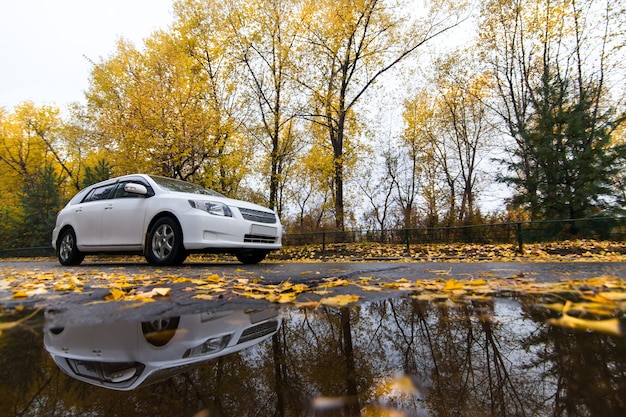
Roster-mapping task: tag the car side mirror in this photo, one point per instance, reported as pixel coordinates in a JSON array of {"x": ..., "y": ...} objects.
[{"x": 135, "y": 188}]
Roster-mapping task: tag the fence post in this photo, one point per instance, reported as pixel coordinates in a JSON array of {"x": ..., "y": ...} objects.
[
  {"x": 407, "y": 241},
  {"x": 520, "y": 240}
]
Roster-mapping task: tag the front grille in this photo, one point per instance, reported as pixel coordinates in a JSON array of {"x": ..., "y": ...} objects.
[
  {"x": 258, "y": 331},
  {"x": 258, "y": 216},
  {"x": 258, "y": 239}
]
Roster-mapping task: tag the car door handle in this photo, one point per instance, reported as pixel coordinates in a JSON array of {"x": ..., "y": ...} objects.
[{"x": 108, "y": 208}]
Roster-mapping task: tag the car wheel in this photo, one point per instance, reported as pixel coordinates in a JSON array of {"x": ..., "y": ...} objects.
[
  {"x": 250, "y": 258},
  {"x": 165, "y": 243},
  {"x": 67, "y": 251},
  {"x": 182, "y": 255}
]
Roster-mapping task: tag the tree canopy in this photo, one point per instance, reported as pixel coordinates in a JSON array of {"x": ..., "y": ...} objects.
[{"x": 387, "y": 113}]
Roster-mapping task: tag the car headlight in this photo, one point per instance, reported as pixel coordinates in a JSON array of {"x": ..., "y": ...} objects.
[
  {"x": 212, "y": 207},
  {"x": 212, "y": 345}
]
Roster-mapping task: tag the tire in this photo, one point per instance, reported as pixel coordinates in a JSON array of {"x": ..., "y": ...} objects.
[
  {"x": 164, "y": 245},
  {"x": 182, "y": 255},
  {"x": 67, "y": 250},
  {"x": 251, "y": 258}
]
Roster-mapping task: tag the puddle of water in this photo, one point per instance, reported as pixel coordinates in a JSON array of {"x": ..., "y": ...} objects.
[{"x": 392, "y": 357}]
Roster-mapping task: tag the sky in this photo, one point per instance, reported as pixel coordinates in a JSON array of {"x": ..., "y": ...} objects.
[{"x": 43, "y": 43}]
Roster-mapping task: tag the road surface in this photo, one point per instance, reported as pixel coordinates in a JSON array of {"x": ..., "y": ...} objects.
[{"x": 96, "y": 279}]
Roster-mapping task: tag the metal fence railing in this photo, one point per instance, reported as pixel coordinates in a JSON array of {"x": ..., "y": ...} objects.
[
  {"x": 30, "y": 252},
  {"x": 516, "y": 233}
]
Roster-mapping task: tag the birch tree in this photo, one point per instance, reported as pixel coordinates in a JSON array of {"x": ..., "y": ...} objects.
[{"x": 351, "y": 45}]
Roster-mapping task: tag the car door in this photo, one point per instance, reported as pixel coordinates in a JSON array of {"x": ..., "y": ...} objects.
[
  {"x": 123, "y": 219},
  {"x": 87, "y": 217}
]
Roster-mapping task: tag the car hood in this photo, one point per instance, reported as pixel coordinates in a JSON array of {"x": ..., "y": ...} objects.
[{"x": 228, "y": 201}]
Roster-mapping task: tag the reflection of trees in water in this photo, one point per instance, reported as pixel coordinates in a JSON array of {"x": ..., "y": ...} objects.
[
  {"x": 462, "y": 355},
  {"x": 587, "y": 370},
  {"x": 325, "y": 358},
  {"x": 464, "y": 360}
]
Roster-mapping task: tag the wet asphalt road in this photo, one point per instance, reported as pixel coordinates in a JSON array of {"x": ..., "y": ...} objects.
[
  {"x": 85, "y": 304},
  {"x": 276, "y": 272}
]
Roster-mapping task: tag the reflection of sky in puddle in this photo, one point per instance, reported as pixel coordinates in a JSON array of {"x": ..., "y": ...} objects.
[{"x": 398, "y": 356}]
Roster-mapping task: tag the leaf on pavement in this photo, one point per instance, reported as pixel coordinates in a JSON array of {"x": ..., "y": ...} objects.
[
  {"x": 339, "y": 300},
  {"x": 115, "y": 294}
]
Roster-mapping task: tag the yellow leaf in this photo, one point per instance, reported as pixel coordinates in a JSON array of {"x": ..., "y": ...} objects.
[
  {"x": 337, "y": 283},
  {"x": 299, "y": 288},
  {"x": 609, "y": 326},
  {"x": 371, "y": 288},
  {"x": 19, "y": 294},
  {"x": 254, "y": 295},
  {"x": 557, "y": 307},
  {"x": 36, "y": 291},
  {"x": 161, "y": 291},
  {"x": 203, "y": 296},
  {"x": 452, "y": 284},
  {"x": 213, "y": 278},
  {"x": 141, "y": 297},
  {"x": 613, "y": 296},
  {"x": 282, "y": 298},
  {"x": 307, "y": 304},
  {"x": 116, "y": 294},
  {"x": 63, "y": 286},
  {"x": 439, "y": 271},
  {"x": 340, "y": 300}
]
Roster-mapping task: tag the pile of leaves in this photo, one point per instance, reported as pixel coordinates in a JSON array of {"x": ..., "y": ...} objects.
[{"x": 571, "y": 250}]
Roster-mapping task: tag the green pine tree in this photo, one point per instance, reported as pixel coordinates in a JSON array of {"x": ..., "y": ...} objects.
[
  {"x": 39, "y": 201},
  {"x": 100, "y": 172}
]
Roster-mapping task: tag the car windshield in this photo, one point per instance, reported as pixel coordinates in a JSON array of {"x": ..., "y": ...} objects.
[{"x": 183, "y": 187}]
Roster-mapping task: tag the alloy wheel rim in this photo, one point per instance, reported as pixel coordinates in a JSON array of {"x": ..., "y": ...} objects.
[
  {"x": 65, "y": 251},
  {"x": 163, "y": 241}
]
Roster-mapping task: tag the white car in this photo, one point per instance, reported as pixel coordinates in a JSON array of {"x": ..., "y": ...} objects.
[
  {"x": 126, "y": 355},
  {"x": 164, "y": 219}
]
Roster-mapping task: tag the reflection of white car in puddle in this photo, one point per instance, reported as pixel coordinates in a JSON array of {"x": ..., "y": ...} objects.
[{"x": 126, "y": 355}]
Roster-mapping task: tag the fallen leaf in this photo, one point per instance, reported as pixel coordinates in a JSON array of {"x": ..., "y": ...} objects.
[
  {"x": 116, "y": 294},
  {"x": 609, "y": 326},
  {"x": 161, "y": 291},
  {"x": 339, "y": 300}
]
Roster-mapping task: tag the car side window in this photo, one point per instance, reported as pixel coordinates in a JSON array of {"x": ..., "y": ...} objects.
[{"x": 99, "y": 193}]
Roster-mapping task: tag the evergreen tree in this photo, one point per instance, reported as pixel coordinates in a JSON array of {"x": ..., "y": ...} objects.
[
  {"x": 39, "y": 201},
  {"x": 100, "y": 172},
  {"x": 568, "y": 157}
]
